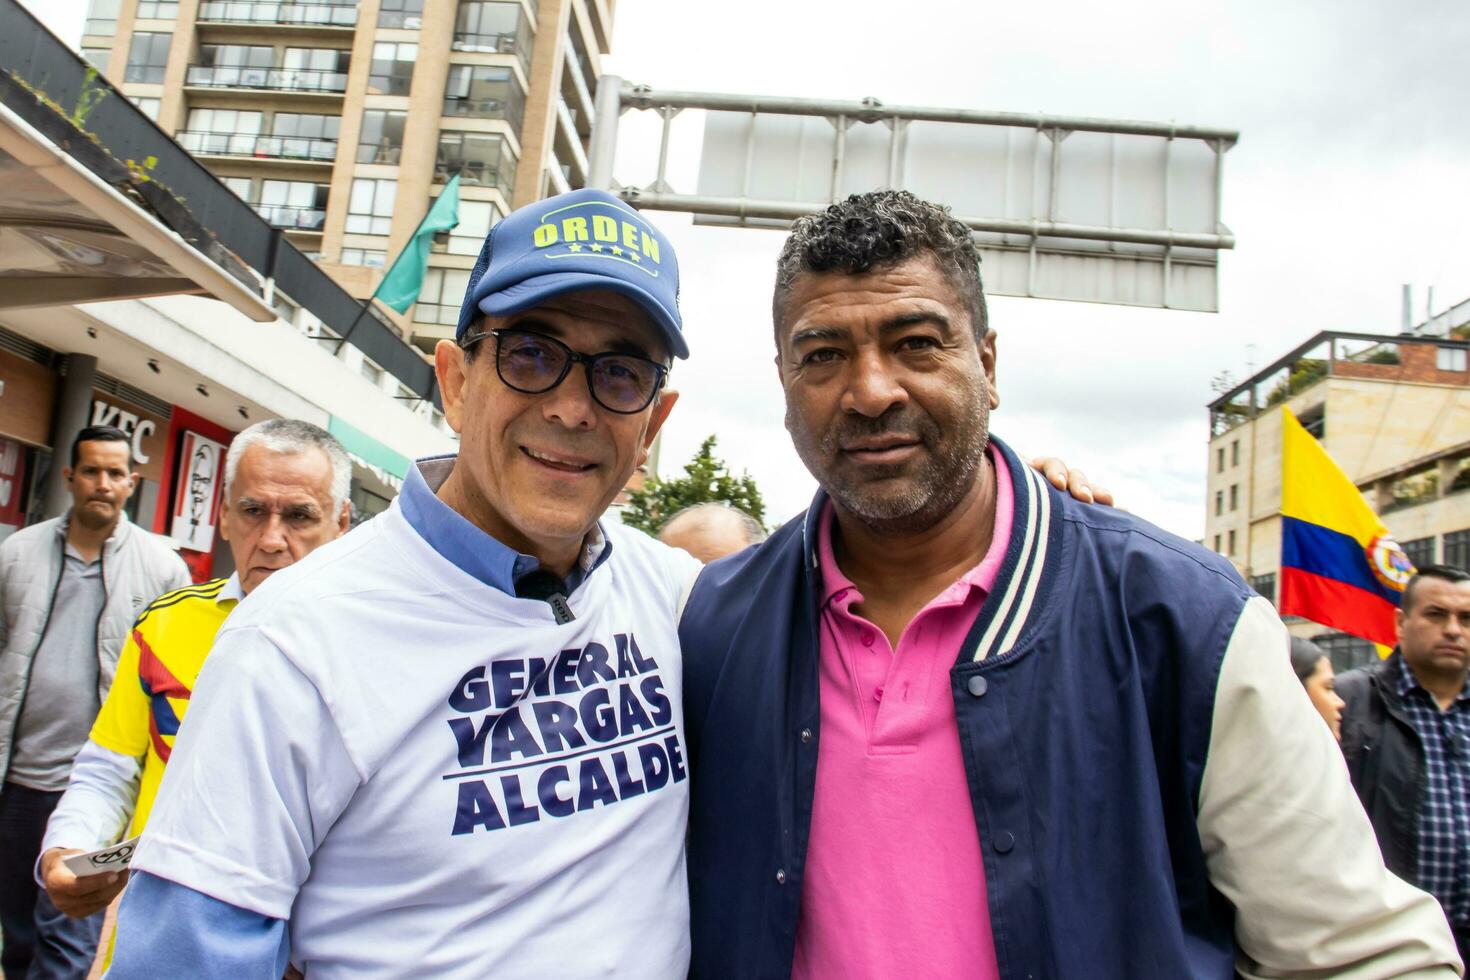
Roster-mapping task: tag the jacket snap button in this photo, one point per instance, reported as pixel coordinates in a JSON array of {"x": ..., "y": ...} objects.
[
  {"x": 978, "y": 685},
  {"x": 780, "y": 876},
  {"x": 1004, "y": 841},
  {"x": 806, "y": 734}
]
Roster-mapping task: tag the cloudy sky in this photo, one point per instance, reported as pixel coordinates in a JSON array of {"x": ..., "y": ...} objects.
[{"x": 1352, "y": 177}]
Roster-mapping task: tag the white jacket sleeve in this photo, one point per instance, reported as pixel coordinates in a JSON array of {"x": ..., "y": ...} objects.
[
  {"x": 1288, "y": 843},
  {"x": 98, "y": 802}
]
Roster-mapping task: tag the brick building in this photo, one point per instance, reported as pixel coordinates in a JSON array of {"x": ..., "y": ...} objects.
[{"x": 1392, "y": 410}]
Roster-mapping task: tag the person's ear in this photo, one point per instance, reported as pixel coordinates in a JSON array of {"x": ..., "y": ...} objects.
[
  {"x": 987, "y": 359},
  {"x": 344, "y": 519},
  {"x": 661, "y": 409},
  {"x": 452, "y": 372}
]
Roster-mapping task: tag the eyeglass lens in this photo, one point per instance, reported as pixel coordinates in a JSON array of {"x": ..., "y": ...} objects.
[{"x": 533, "y": 364}]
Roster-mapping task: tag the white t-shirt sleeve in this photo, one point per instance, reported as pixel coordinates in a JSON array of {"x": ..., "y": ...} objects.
[
  {"x": 1287, "y": 841},
  {"x": 258, "y": 774}
]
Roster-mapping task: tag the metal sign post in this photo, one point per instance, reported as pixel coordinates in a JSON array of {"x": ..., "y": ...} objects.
[{"x": 1097, "y": 210}]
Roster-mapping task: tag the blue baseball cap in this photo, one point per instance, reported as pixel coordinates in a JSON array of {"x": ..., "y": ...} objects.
[{"x": 586, "y": 239}]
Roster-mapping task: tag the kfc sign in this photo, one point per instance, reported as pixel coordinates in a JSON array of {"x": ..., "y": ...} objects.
[{"x": 137, "y": 429}]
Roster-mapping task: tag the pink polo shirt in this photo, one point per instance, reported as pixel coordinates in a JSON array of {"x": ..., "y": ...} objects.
[{"x": 894, "y": 885}]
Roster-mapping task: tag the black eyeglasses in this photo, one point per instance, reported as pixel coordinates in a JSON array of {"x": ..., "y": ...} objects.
[{"x": 534, "y": 363}]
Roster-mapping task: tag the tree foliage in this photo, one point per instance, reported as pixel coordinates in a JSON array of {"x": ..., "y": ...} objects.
[{"x": 706, "y": 478}]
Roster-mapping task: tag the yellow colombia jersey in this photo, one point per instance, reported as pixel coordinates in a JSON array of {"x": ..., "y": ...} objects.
[{"x": 155, "y": 676}]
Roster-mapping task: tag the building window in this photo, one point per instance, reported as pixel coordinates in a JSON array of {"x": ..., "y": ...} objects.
[
  {"x": 1219, "y": 503},
  {"x": 440, "y": 299},
  {"x": 483, "y": 92},
  {"x": 1314, "y": 420},
  {"x": 373, "y": 258},
  {"x": 371, "y": 371},
  {"x": 1459, "y": 475},
  {"x": 148, "y": 57},
  {"x": 401, "y": 13},
  {"x": 501, "y": 28},
  {"x": 149, "y": 107},
  {"x": 1265, "y": 585},
  {"x": 240, "y": 185},
  {"x": 1457, "y": 549},
  {"x": 1235, "y": 452},
  {"x": 157, "y": 9},
  {"x": 1412, "y": 489},
  {"x": 392, "y": 68},
  {"x": 1346, "y": 652},
  {"x": 221, "y": 131},
  {"x": 465, "y": 238},
  {"x": 1420, "y": 551},
  {"x": 295, "y": 204},
  {"x": 1217, "y": 537},
  {"x": 335, "y": 13},
  {"x": 1450, "y": 359},
  {"x": 102, "y": 18},
  {"x": 381, "y": 140},
  {"x": 233, "y": 65},
  {"x": 481, "y": 159},
  {"x": 1230, "y": 550},
  {"x": 1234, "y": 495},
  {"x": 97, "y": 58},
  {"x": 1220, "y": 460},
  {"x": 304, "y": 136},
  {"x": 313, "y": 69},
  {"x": 370, "y": 209}
]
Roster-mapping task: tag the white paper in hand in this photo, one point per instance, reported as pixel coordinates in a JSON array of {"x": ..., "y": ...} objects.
[{"x": 108, "y": 859}]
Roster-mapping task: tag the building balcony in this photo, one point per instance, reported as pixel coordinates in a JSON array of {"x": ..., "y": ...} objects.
[
  {"x": 298, "y": 149},
  {"x": 292, "y": 218},
  {"x": 268, "y": 79},
  {"x": 280, "y": 14}
]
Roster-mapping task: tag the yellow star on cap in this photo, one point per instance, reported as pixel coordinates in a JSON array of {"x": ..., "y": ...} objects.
[
  {"x": 635, "y": 256},
  {"x": 616, "y": 250},
  {"x": 574, "y": 247},
  {"x": 595, "y": 248}
]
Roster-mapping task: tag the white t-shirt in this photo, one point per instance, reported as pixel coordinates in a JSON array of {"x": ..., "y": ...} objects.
[{"x": 429, "y": 777}]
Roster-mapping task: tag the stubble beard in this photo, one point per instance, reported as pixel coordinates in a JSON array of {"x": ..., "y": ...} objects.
[{"x": 926, "y": 497}]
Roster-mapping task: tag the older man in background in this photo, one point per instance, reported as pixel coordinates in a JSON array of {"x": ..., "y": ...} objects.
[
  {"x": 286, "y": 487},
  {"x": 711, "y": 530}
]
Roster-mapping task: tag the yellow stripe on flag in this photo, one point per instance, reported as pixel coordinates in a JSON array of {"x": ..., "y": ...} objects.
[{"x": 1315, "y": 490}]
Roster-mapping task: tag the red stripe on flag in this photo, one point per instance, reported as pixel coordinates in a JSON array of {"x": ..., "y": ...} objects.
[{"x": 1337, "y": 604}]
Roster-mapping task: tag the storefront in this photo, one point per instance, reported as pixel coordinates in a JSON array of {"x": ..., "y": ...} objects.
[{"x": 178, "y": 456}]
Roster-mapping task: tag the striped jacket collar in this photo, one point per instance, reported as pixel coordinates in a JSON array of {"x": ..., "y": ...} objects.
[{"x": 1012, "y": 602}]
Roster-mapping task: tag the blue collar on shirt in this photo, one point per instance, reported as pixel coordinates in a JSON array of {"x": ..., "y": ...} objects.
[{"x": 470, "y": 548}]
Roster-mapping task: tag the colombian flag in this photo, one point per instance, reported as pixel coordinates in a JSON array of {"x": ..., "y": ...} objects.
[{"x": 1339, "y": 565}]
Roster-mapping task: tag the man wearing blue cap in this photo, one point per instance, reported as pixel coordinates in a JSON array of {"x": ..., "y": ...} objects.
[{"x": 451, "y": 744}]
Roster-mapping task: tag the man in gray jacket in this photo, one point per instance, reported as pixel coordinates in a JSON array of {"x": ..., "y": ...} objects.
[{"x": 70, "y": 588}]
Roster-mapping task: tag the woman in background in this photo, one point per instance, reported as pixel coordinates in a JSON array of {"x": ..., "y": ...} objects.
[{"x": 1314, "y": 669}]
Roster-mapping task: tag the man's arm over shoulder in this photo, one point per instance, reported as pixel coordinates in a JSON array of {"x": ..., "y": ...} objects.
[
  {"x": 1286, "y": 840},
  {"x": 258, "y": 774}
]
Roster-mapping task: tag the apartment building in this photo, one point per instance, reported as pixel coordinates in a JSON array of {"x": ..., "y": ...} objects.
[
  {"x": 170, "y": 309},
  {"x": 341, "y": 121},
  {"x": 1392, "y": 410}
]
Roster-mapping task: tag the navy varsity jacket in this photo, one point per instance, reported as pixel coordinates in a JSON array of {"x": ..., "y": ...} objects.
[{"x": 1086, "y": 700}]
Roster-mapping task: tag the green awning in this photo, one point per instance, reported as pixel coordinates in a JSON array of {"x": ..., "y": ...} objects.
[{"x": 360, "y": 444}]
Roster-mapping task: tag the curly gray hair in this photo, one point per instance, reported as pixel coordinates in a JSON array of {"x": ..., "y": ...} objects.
[{"x": 876, "y": 229}]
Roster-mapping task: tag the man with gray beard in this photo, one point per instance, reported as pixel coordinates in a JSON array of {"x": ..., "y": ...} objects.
[{"x": 953, "y": 723}]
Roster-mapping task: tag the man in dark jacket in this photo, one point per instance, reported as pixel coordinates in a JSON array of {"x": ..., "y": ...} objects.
[
  {"x": 1406, "y": 734},
  {"x": 953, "y": 723}
]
